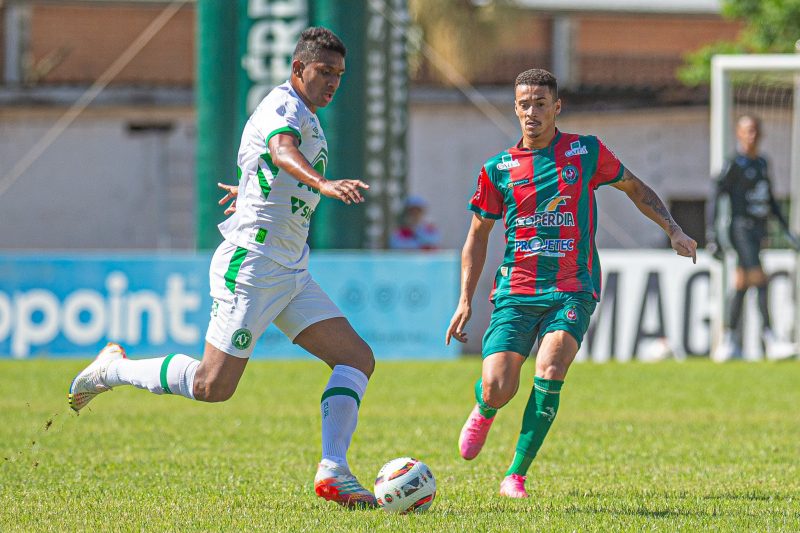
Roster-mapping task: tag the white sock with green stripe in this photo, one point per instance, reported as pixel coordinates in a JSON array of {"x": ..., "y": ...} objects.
[
  {"x": 339, "y": 407},
  {"x": 173, "y": 374}
]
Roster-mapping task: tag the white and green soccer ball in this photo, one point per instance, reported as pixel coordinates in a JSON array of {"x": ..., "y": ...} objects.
[{"x": 405, "y": 485}]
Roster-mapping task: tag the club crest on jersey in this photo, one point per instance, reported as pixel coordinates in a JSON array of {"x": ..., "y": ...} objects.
[
  {"x": 507, "y": 162},
  {"x": 570, "y": 174},
  {"x": 576, "y": 148}
]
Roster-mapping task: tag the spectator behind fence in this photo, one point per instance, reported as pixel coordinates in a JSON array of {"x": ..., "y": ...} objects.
[{"x": 414, "y": 232}]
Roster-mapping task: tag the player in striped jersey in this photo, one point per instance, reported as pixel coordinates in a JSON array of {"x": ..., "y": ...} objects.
[
  {"x": 548, "y": 284},
  {"x": 259, "y": 273}
]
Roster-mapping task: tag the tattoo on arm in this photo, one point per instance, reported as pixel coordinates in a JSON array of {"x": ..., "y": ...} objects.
[{"x": 648, "y": 197}]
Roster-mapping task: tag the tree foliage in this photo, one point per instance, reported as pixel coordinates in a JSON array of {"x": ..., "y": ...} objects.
[
  {"x": 770, "y": 26},
  {"x": 461, "y": 32}
]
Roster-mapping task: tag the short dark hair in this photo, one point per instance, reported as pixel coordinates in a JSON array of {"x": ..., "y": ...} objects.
[
  {"x": 538, "y": 77},
  {"x": 313, "y": 41}
]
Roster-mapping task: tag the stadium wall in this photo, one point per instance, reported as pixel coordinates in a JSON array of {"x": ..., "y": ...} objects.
[{"x": 132, "y": 169}]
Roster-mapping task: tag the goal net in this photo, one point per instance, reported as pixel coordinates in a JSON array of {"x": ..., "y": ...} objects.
[{"x": 766, "y": 86}]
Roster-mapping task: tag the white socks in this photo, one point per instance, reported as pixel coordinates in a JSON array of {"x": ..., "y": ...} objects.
[
  {"x": 339, "y": 408},
  {"x": 173, "y": 374}
]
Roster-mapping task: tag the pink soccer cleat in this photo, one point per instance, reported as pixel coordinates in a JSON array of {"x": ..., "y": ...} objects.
[
  {"x": 337, "y": 484},
  {"x": 513, "y": 486},
  {"x": 473, "y": 434},
  {"x": 91, "y": 380}
]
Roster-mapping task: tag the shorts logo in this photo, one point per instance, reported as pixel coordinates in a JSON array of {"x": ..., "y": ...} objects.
[
  {"x": 575, "y": 148},
  {"x": 242, "y": 338},
  {"x": 214, "y": 308},
  {"x": 569, "y": 174},
  {"x": 507, "y": 162},
  {"x": 572, "y": 314}
]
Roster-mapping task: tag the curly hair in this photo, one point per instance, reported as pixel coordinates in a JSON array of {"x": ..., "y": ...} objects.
[
  {"x": 313, "y": 41},
  {"x": 538, "y": 77}
]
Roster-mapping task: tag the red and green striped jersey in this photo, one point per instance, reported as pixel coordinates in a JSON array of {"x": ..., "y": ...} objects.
[{"x": 546, "y": 198}]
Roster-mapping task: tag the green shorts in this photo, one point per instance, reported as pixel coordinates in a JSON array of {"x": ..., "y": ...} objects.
[{"x": 515, "y": 328}]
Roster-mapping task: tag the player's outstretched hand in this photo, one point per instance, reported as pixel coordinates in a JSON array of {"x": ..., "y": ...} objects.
[
  {"x": 458, "y": 323},
  {"x": 684, "y": 245},
  {"x": 232, "y": 192},
  {"x": 345, "y": 190}
]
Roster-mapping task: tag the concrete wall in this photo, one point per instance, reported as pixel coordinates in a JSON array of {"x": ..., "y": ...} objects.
[{"x": 116, "y": 179}]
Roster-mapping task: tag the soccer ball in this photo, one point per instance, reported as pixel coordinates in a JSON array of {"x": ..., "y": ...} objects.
[{"x": 405, "y": 485}]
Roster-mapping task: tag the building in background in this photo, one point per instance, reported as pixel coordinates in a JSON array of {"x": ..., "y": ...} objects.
[{"x": 122, "y": 176}]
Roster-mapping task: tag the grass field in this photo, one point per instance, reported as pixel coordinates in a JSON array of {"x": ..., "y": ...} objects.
[{"x": 635, "y": 447}]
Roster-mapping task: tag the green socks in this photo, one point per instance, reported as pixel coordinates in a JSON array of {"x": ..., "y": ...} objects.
[
  {"x": 485, "y": 410},
  {"x": 539, "y": 415}
]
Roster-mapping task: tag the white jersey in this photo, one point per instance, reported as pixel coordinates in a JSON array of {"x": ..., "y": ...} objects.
[{"x": 273, "y": 209}]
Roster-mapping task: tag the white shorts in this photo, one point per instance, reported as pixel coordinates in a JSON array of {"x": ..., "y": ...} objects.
[{"x": 251, "y": 291}]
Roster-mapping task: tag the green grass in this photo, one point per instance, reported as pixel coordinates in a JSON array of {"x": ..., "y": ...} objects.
[{"x": 661, "y": 447}]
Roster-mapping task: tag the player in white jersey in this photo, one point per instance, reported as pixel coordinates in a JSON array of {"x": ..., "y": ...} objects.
[{"x": 259, "y": 273}]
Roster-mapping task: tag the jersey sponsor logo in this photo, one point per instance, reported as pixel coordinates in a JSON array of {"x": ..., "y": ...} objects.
[
  {"x": 548, "y": 215},
  {"x": 316, "y": 132},
  {"x": 242, "y": 338},
  {"x": 519, "y": 182},
  {"x": 547, "y": 220},
  {"x": 570, "y": 174},
  {"x": 299, "y": 205},
  {"x": 545, "y": 247},
  {"x": 507, "y": 162},
  {"x": 576, "y": 148}
]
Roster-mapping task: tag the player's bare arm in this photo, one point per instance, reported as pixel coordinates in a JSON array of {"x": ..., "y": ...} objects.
[
  {"x": 473, "y": 256},
  {"x": 284, "y": 149},
  {"x": 648, "y": 202}
]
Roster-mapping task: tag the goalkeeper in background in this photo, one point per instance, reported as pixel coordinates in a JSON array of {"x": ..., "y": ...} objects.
[{"x": 745, "y": 181}]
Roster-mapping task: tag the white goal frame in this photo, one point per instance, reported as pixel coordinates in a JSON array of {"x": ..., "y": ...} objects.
[{"x": 722, "y": 139}]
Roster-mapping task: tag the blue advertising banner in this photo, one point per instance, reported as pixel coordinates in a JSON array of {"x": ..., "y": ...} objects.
[{"x": 154, "y": 304}]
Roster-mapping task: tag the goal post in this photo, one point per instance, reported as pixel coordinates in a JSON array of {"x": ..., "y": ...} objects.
[{"x": 724, "y": 69}]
